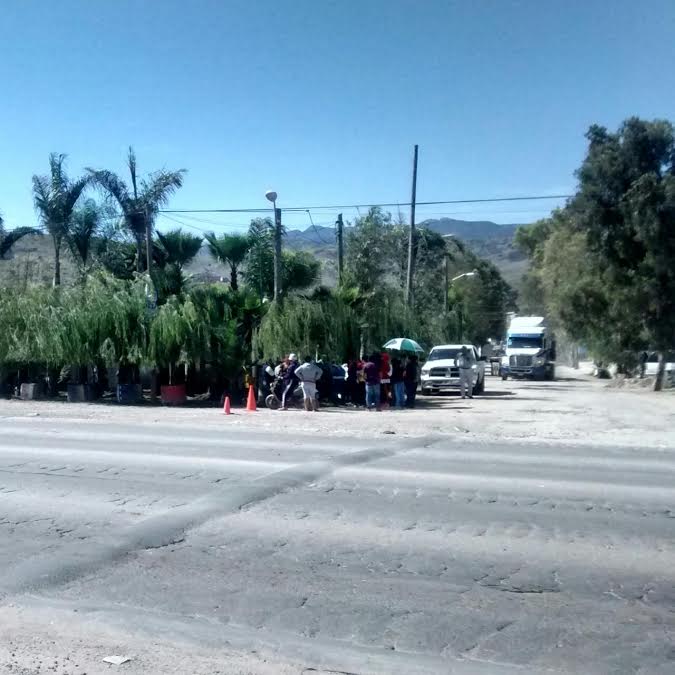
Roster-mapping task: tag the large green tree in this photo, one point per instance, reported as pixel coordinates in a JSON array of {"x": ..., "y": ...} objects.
[
  {"x": 369, "y": 251},
  {"x": 626, "y": 207},
  {"x": 606, "y": 262},
  {"x": 140, "y": 200},
  {"x": 55, "y": 197}
]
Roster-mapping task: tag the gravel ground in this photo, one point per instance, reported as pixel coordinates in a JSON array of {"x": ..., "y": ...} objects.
[
  {"x": 529, "y": 530},
  {"x": 576, "y": 408}
]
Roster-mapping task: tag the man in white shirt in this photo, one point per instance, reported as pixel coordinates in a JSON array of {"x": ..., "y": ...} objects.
[
  {"x": 308, "y": 374},
  {"x": 465, "y": 362}
]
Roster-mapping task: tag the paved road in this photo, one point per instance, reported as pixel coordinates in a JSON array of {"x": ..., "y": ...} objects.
[{"x": 399, "y": 555}]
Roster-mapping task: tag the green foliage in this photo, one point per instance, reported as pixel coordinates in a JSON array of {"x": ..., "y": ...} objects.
[
  {"x": 375, "y": 285},
  {"x": 369, "y": 251},
  {"x": 55, "y": 197},
  {"x": 299, "y": 269},
  {"x": 173, "y": 251},
  {"x": 259, "y": 267},
  {"x": 606, "y": 262},
  {"x": 308, "y": 325},
  {"x": 141, "y": 200},
  {"x": 179, "y": 247},
  {"x": 80, "y": 238},
  {"x": 229, "y": 249}
]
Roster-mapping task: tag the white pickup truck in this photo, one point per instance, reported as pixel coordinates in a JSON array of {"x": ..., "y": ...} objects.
[{"x": 440, "y": 373}]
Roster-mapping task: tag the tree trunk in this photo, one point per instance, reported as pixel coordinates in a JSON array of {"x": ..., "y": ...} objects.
[
  {"x": 139, "y": 253},
  {"x": 148, "y": 246},
  {"x": 57, "y": 262},
  {"x": 660, "y": 372},
  {"x": 234, "y": 282}
]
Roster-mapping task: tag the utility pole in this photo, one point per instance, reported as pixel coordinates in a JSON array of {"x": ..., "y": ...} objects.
[
  {"x": 277, "y": 254},
  {"x": 411, "y": 239},
  {"x": 446, "y": 286},
  {"x": 340, "y": 250}
]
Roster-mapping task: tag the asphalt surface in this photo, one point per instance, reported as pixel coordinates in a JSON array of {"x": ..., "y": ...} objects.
[{"x": 385, "y": 555}]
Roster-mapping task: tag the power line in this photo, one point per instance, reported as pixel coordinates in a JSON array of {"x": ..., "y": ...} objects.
[
  {"x": 318, "y": 234},
  {"x": 367, "y": 206}
]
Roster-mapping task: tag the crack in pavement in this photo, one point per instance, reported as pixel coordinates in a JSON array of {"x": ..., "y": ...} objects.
[{"x": 169, "y": 526}]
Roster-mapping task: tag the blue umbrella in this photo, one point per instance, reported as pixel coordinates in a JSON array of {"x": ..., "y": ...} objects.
[{"x": 403, "y": 345}]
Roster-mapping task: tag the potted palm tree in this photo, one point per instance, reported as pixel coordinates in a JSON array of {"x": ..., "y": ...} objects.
[
  {"x": 123, "y": 318},
  {"x": 34, "y": 325},
  {"x": 80, "y": 322},
  {"x": 169, "y": 333}
]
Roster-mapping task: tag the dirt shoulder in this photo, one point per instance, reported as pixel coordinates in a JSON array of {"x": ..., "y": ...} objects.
[
  {"x": 576, "y": 408},
  {"x": 57, "y": 641}
]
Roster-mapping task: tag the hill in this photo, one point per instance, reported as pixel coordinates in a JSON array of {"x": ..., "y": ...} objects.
[
  {"x": 31, "y": 258},
  {"x": 486, "y": 239}
]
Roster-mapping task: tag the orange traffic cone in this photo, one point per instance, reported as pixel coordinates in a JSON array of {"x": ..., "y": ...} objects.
[
  {"x": 226, "y": 407},
  {"x": 250, "y": 404}
]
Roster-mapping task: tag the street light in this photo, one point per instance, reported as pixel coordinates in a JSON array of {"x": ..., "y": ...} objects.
[
  {"x": 465, "y": 274},
  {"x": 271, "y": 196},
  {"x": 460, "y": 316}
]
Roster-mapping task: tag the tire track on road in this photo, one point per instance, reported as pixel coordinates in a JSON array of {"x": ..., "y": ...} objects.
[{"x": 170, "y": 526}]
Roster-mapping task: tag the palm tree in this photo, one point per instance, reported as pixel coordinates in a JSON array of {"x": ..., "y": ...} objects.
[
  {"x": 84, "y": 226},
  {"x": 55, "y": 197},
  {"x": 9, "y": 238},
  {"x": 175, "y": 250},
  {"x": 140, "y": 203},
  {"x": 179, "y": 247},
  {"x": 229, "y": 249}
]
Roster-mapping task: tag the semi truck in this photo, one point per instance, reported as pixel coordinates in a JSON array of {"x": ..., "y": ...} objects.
[{"x": 530, "y": 349}]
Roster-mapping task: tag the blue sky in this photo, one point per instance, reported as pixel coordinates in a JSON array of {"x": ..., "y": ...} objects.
[{"x": 323, "y": 100}]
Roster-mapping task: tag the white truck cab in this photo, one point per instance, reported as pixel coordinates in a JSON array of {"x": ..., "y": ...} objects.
[
  {"x": 440, "y": 373},
  {"x": 530, "y": 349}
]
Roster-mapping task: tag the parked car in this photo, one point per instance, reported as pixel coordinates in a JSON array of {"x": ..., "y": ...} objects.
[
  {"x": 440, "y": 373},
  {"x": 653, "y": 364}
]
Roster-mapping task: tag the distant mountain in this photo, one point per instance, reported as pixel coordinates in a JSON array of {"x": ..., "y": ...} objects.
[
  {"x": 471, "y": 229},
  {"x": 466, "y": 230},
  {"x": 32, "y": 257},
  {"x": 485, "y": 238}
]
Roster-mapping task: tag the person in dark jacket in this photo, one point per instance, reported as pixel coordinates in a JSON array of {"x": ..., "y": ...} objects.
[
  {"x": 371, "y": 372},
  {"x": 410, "y": 381},
  {"x": 290, "y": 380},
  {"x": 397, "y": 386}
]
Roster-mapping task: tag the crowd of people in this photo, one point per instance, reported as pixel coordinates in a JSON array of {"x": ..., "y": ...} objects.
[{"x": 377, "y": 382}]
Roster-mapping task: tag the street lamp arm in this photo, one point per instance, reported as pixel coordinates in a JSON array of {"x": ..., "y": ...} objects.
[{"x": 461, "y": 276}]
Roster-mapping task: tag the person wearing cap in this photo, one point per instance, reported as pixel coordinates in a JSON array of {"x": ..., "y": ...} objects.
[
  {"x": 466, "y": 363},
  {"x": 309, "y": 374},
  {"x": 290, "y": 379}
]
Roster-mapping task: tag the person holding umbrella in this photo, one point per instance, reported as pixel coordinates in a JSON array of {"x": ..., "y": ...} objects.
[{"x": 410, "y": 372}]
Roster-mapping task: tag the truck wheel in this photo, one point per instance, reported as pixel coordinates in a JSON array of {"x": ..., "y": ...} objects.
[
  {"x": 504, "y": 378},
  {"x": 550, "y": 374},
  {"x": 480, "y": 387}
]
